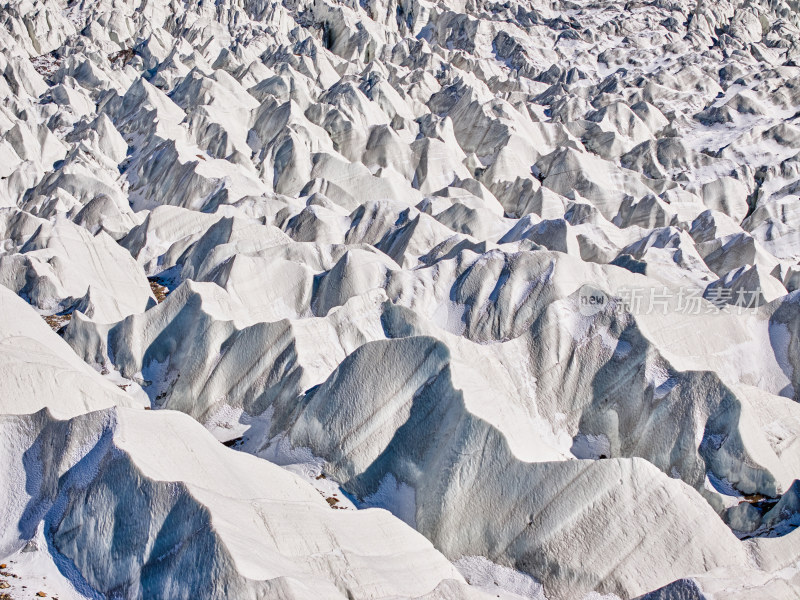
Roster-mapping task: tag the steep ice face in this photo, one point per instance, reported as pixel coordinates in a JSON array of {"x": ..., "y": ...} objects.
[{"x": 521, "y": 274}]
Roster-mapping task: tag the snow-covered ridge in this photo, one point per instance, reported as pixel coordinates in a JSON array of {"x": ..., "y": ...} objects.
[{"x": 524, "y": 274}]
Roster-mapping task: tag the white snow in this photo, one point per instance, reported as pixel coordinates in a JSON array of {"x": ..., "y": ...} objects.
[{"x": 374, "y": 224}]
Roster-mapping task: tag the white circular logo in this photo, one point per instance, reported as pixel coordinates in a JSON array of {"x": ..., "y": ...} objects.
[{"x": 591, "y": 300}]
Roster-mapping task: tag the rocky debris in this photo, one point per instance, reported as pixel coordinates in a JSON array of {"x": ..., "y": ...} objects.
[
  {"x": 159, "y": 291},
  {"x": 57, "y": 322}
]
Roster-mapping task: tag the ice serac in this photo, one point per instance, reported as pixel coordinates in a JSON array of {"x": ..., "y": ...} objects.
[
  {"x": 63, "y": 267},
  {"x": 207, "y": 523},
  {"x": 523, "y": 273},
  {"x": 421, "y": 432},
  {"x": 40, "y": 371}
]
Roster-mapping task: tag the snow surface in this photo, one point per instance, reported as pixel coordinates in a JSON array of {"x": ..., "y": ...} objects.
[{"x": 352, "y": 241}]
